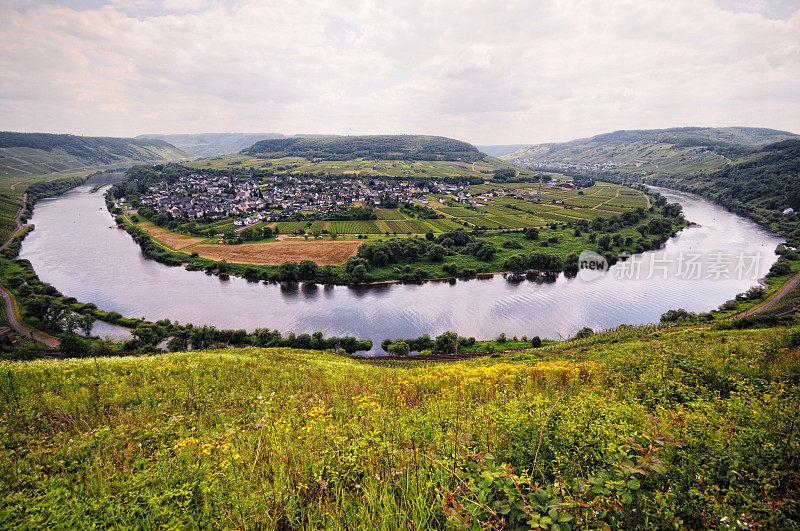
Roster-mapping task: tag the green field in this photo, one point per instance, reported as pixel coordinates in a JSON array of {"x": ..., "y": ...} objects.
[
  {"x": 630, "y": 429},
  {"x": 354, "y": 227},
  {"x": 358, "y": 167}
]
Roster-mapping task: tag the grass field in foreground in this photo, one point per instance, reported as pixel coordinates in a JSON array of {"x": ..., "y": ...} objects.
[{"x": 634, "y": 429}]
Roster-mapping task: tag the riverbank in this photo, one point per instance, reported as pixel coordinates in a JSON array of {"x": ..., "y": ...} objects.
[
  {"x": 87, "y": 260},
  {"x": 457, "y": 254}
]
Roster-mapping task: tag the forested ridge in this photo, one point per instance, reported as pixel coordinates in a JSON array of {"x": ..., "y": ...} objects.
[
  {"x": 96, "y": 150},
  {"x": 386, "y": 147}
]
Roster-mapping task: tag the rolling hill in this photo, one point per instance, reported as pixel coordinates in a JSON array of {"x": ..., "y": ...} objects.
[
  {"x": 761, "y": 184},
  {"x": 27, "y": 154},
  {"x": 213, "y": 144},
  {"x": 659, "y": 152},
  {"x": 382, "y": 147},
  {"x": 498, "y": 150}
]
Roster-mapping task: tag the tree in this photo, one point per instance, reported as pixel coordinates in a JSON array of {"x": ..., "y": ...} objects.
[
  {"x": 399, "y": 348},
  {"x": 604, "y": 242},
  {"x": 307, "y": 270},
  {"x": 178, "y": 343},
  {"x": 360, "y": 273},
  {"x": 288, "y": 272},
  {"x": 780, "y": 268},
  {"x": 147, "y": 334},
  {"x": 71, "y": 345},
  {"x": 584, "y": 333},
  {"x": 71, "y": 322},
  {"x": 536, "y": 342},
  {"x": 86, "y": 324},
  {"x": 447, "y": 343}
]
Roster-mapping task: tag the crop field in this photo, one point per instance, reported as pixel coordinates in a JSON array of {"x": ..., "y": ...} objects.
[
  {"x": 443, "y": 225},
  {"x": 323, "y": 252},
  {"x": 389, "y": 213},
  {"x": 354, "y": 227},
  {"x": 361, "y": 166},
  {"x": 173, "y": 240},
  {"x": 288, "y": 227},
  {"x": 403, "y": 226},
  {"x": 513, "y": 208},
  {"x": 484, "y": 222}
]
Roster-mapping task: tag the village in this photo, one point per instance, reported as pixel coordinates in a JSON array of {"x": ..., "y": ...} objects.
[
  {"x": 544, "y": 164},
  {"x": 201, "y": 196}
]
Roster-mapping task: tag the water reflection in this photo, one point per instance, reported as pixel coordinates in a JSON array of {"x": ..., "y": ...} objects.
[{"x": 74, "y": 249}]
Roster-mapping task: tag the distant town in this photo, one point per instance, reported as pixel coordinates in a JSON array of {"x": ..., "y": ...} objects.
[
  {"x": 543, "y": 164},
  {"x": 251, "y": 201}
]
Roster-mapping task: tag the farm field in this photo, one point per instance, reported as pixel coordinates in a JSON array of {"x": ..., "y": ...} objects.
[
  {"x": 510, "y": 207},
  {"x": 623, "y": 430},
  {"x": 173, "y": 240},
  {"x": 323, "y": 252},
  {"x": 361, "y": 167}
]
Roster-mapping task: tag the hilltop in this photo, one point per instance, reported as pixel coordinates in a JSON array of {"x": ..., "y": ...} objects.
[
  {"x": 685, "y": 150},
  {"x": 24, "y": 154},
  {"x": 213, "y": 144},
  {"x": 381, "y": 147},
  {"x": 630, "y": 429}
]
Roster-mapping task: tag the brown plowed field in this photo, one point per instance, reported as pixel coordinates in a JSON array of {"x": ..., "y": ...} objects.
[
  {"x": 323, "y": 252},
  {"x": 172, "y": 240}
]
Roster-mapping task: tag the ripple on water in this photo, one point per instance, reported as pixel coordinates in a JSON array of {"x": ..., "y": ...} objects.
[{"x": 73, "y": 249}]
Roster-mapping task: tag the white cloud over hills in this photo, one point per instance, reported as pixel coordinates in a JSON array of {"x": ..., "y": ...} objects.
[{"x": 483, "y": 71}]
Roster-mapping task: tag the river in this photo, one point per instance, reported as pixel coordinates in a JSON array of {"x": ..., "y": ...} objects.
[{"x": 77, "y": 249}]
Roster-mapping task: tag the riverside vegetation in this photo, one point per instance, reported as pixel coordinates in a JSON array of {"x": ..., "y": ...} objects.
[{"x": 636, "y": 428}]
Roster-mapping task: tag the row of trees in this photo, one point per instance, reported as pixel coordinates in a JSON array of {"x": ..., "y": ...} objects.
[{"x": 448, "y": 343}]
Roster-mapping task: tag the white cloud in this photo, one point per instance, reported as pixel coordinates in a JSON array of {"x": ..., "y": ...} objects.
[{"x": 477, "y": 70}]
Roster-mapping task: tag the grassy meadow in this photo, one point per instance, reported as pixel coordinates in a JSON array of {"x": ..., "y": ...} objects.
[
  {"x": 629, "y": 429},
  {"x": 357, "y": 167}
]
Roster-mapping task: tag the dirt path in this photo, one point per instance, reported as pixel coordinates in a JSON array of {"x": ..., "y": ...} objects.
[
  {"x": 606, "y": 201},
  {"x": 776, "y": 297}
]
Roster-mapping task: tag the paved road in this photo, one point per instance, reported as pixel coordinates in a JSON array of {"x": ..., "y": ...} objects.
[
  {"x": 17, "y": 222},
  {"x": 775, "y": 298},
  {"x": 21, "y": 330},
  {"x": 8, "y": 298}
]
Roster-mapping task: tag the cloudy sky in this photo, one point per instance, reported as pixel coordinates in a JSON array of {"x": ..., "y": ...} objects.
[{"x": 490, "y": 71}]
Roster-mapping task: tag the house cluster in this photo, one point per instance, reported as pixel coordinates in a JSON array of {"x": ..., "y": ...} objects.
[
  {"x": 543, "y": 164},
  {"x": 198, "y": 196},
  {"x": 276, "y": 198}
]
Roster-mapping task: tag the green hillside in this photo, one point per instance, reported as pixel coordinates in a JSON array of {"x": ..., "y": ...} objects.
[
  {"x": 633, "y": 429},
  {"x": 761, "y": 184},
  {"x": 25, "y": 154},
  {"x": 383, "y": 147},
  {"x": 363, "y": 166},
  {"x": 685, "y": 150},
  {"x": 213, "y": 144}
]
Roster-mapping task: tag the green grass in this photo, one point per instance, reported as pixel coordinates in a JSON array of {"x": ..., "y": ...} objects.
[
  {"x": 354, "y": 227},
  {"x": 360, "y": 167},
  {"x": 282, "y": 438}
]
